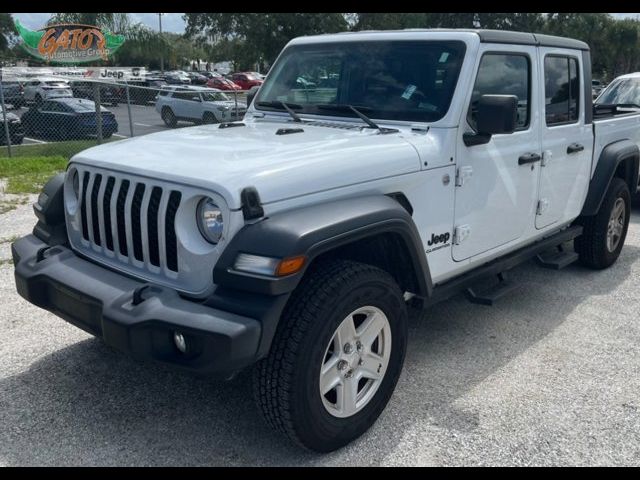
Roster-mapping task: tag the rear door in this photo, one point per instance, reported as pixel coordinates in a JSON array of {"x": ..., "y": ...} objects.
[
  {"x": 567, "y": 142},
  {"x": 496, "y": 194}
]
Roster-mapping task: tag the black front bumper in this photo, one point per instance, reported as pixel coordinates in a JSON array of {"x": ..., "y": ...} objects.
[{"x": 101, "y": 302}]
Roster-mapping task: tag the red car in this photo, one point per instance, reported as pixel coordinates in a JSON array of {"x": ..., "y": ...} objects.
[
  {"x": 222, "y": 83},
  {"x": 246, "y": 80}
]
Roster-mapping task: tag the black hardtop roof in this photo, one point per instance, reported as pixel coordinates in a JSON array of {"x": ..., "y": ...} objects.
[{"x": 502, "y": 36}]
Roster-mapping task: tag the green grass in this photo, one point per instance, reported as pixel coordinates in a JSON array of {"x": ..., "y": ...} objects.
[
  {"x": 64, "y": 149},
  {"x": 29, "y": 174}
]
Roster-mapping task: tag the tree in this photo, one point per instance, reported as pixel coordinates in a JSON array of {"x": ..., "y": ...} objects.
[
  {"x": 259, "y": 36},
  {"x": 7, "y": 31}
]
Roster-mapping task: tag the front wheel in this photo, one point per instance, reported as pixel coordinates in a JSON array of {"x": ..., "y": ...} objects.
[
  {"x": 336, "y": 357},
  {"x": 209, "y": 118},
  {"x": 604, "y": 233},
  {"x": 169, "y": 117}
]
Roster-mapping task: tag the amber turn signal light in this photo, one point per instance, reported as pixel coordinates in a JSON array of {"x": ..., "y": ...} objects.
[{"x": 290, "y": 265}]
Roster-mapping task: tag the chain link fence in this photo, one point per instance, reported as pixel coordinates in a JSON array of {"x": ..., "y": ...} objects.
[{"x": 65, "y": 114}]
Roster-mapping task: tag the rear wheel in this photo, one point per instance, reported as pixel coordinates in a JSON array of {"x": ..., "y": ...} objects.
[
  {"x": 169, "y": 117},
  {"x": 336, "y": 357},
  {"x": 604, "y": 234}
]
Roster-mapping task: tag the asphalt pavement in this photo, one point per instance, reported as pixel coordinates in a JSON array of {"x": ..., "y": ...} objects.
[{"x": 548, "y": 376}]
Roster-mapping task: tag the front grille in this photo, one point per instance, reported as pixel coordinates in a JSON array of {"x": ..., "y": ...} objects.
[{"x": 111, "y": 205}]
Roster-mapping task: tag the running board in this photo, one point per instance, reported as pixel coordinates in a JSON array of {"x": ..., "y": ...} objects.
[
  {"x": 488, "y": 296},
  {"x": 500, "y": 265}
]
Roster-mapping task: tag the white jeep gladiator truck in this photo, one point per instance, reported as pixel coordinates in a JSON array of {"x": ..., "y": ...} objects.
[{"x": 407, "y": 167}]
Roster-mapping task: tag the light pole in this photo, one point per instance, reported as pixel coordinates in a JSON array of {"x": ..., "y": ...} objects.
[{"x": 161, "y": 54}]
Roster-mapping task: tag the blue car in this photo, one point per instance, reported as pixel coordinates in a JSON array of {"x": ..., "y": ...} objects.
[{"x": 66, "y": 119}]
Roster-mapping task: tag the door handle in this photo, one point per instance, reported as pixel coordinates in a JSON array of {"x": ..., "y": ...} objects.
[
  {"x": 575, "y": 147},
  {"x": 528, "y": 158}
]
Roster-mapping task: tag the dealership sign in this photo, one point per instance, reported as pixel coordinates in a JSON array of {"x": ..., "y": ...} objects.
[
  {"x": 104, "y": 74},
  {"x": 69, "y": 43}
]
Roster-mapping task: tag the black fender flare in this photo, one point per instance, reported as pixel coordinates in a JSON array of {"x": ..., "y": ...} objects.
[
  {"x": 611, "y": 157},
  {"x": 314, "y": 230}
]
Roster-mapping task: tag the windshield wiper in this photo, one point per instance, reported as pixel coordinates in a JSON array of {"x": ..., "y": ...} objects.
[
  {"x": 281, "y": 104},
  {"x": 365, "y": 119}
]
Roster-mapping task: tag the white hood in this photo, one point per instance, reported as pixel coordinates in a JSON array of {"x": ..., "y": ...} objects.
[{"x": 279, "y": 166}]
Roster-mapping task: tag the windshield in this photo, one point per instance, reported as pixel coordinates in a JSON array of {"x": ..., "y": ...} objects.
[
  {"x": 392, "y": 80},
  {"x": 213, "y": 97},
  {"x": 623, "y": 91}
]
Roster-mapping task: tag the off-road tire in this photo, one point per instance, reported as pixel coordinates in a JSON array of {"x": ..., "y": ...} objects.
[
  {"x": 591, "y": 246},
  {"x": 286, "y": 382}
]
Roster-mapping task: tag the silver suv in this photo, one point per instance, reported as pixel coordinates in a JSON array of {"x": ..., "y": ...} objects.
[{"x": 198, "y": 105}]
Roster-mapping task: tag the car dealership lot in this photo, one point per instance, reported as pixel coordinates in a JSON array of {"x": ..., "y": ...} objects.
[
  {"x": 144, "y": 118},
  {"x": 548, "y": 376}
]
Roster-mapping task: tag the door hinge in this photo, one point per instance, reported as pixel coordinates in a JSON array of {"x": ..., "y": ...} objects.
[
  {"x": 463, "y": 174},
  {"x": 460, "y": 233},
  {"x": 543, "y": 206}
]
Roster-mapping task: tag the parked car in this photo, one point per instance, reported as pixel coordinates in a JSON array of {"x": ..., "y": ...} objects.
[
  {"x": 258, "y": 75},
  {"x": 292, "y": 243},
  {"x": 198, "y": 105},
  {"x": 145, "y": 90},
  {"x": 173, "y": 78},
  {"x": 623, "y": 91},
  {"x": 110, "y": 94},
  {"x": 13, "y": 93},
  {"x": 246, "y": 80},
  {"x": 210, "y": 74},
  {"x": 222, "y": 83},
  {"x": 38, "y": 89},
  {"x": 16, "y": 131},
  {"x": 197, "y": 78},
  {"x": 67, "y": 118}
]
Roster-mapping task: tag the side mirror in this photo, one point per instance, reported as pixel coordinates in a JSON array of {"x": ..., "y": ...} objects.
[{"x": 495, "y": 114}]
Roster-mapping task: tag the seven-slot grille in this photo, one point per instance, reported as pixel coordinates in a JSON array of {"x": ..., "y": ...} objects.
[{"x": 130, "y": 219}]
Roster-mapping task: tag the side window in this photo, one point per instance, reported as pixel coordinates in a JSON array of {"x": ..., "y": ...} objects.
[
  {"x": 562, "y": 90},
  {"x": 191, "y": 96},
  {"x": 503, "y": 74}
]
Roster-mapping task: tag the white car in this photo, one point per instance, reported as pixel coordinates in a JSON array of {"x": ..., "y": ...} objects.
[
  {"x": 291, "y": 242},
  {"x": 46, "y": 88},
  {"x": 623, "y": 91},
  {"x": 198, "y": 105}
]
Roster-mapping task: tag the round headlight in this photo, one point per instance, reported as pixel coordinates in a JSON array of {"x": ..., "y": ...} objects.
[
  {"x": 76, "y": 183},
  {"x": 210, "y": 221}
]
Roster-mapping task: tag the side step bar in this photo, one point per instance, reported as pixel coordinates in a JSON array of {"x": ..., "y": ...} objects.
[
  {"x": 499, "y": 266},
  {"x": 558, "y": 259},
  {"x": 488, "y": 296}
]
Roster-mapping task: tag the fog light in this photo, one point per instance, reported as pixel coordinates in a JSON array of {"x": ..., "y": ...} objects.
[{"x": 181, "y": 343}]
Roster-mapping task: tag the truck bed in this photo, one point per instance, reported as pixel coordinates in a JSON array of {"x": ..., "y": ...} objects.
[{"x": 613, "y": 127}]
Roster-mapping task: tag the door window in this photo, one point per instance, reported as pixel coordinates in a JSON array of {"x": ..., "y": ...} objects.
[
  {"x": 190, "y": 96},
  {"x": 503, "y": 74},
  {"x": 562, "y": 90}
]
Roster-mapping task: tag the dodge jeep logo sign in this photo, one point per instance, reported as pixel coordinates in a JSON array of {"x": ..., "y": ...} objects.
[{"x": 69, "y": 43}]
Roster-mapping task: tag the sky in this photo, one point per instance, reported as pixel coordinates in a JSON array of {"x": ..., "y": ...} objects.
[{"x": 171, "y": 22}]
